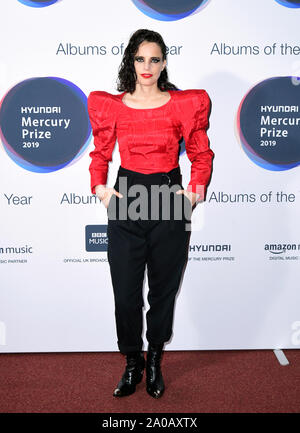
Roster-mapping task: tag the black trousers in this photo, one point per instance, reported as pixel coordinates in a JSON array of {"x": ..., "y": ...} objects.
[{"x": 156, "y": 241}]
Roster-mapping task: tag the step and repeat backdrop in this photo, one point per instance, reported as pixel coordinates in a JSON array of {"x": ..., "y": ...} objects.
[{"x": 240, "y": 288}]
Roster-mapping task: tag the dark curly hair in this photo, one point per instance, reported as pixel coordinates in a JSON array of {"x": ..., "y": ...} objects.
[{"x": 126, "y": 81}]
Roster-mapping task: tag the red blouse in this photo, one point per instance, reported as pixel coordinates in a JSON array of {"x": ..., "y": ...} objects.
[{"x": 148, "y": 137}]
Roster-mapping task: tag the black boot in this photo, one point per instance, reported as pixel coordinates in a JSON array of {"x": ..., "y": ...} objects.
[
  {"x": 133, "y": 374},
  {"x": 154, "y": 381}
]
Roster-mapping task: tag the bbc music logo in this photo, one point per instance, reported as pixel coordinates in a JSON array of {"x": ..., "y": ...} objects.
[{"x": 96, "y": 238}]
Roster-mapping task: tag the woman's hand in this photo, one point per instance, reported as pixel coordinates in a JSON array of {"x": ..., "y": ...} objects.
[
  {"x": 192, "y": 196},
  {"x": 104, "y": 194}
]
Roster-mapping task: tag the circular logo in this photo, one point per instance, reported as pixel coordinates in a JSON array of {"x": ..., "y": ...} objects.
[
  {"x": 169, "y": 10},
  {"x": 38, "y": 3},
  {"x": 268, "y": 123},
  {"x": 289, "y": 3},
  {"x": 44, "y": 123}
]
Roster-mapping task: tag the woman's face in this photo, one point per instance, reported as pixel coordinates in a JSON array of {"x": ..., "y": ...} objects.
[{"x": 148, "y": 60}]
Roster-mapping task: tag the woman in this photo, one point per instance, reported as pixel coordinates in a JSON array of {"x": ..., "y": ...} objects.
[{"x": 148, "y": 118}]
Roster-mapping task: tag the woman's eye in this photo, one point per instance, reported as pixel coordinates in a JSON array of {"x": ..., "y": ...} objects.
[{"x": 140, "y": 59}]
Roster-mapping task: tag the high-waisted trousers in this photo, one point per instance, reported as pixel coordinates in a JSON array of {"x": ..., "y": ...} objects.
[{"x": 139, "y": 239}]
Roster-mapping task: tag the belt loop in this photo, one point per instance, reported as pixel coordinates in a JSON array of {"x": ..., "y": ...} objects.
[{"x": 166, "y": 176}]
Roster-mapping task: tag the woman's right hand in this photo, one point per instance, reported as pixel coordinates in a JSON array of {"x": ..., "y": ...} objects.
[{"x": 104, "y": 194}]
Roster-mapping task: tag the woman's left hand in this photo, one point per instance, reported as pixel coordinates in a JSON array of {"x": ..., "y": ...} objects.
[{"x": 192, "y": 196}]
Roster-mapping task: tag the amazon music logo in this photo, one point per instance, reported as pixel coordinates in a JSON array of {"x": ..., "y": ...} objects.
[
  {"x": 289, "y": 3},
  {"x": 281, "y": 252},
  {"x": 169, "y": 10},
  {"x": 44, "y": 124},
  {"x": 268, "y": 123},
  {"x": 281, "y": 248},
  {"x": 38, "y": 3},
  {"x": 25, "y": 249}
]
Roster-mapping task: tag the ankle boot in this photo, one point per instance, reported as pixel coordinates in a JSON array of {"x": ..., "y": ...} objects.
[
  {"x": 154, "y": 381},
  {"x": 132, "y": 375}
]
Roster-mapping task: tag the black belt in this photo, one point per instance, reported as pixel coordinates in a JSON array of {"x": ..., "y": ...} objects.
[{"x": 171, "y": 177}]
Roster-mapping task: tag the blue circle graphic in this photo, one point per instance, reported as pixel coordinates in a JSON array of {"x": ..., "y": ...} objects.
[
  {"x": 169, "y": 10},
  {"x": 269, "y": 123},
  {"x": 44, "y": 123},
  {"x": 289, "y": 3},
  {"x": 37, "y": 3}
]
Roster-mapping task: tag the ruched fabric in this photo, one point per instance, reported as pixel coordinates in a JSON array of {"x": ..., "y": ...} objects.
[{"x": 148, "y": 138}]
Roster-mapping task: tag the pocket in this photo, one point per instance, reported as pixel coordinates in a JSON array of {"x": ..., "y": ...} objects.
[
  {"x": 187, "y": 208},
  {"x": 185, "y": 197},
  {"x": 189, "y": 203},
  {"x": 110, "y": 201},
  {"x": 113, "y": 207}
]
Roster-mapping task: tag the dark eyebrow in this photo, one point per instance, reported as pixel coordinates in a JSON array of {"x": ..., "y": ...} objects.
[{"x": 153, "y": 57}]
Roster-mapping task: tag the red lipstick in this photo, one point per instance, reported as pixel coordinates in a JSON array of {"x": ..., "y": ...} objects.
[{"x": 146, "y": 75}]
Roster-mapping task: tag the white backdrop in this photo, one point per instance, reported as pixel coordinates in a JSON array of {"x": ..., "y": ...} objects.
[{"x": 58, "y": 297}]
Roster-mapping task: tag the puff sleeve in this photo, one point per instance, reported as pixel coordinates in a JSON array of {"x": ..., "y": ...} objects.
[
  {"x": 194, "y": 126},
  {"x": 101, "y": 114}
]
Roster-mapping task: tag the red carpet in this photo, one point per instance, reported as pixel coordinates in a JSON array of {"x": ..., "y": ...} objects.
[{"x": 196, "y": 381}]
